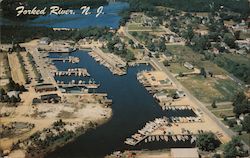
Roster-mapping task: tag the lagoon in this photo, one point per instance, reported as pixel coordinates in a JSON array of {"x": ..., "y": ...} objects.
[{"x": 132, "y": 108}]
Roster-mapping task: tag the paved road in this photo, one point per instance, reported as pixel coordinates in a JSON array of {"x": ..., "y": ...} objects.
[{"x": 161, "y": 67}]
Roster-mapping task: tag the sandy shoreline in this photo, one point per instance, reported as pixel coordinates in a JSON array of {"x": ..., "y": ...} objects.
[{"x": 77, "y": 134}]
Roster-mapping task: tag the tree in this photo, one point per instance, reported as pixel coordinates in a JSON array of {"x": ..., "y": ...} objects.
[
  {"x": 166, "y": 63},
  {"x": 237, "y": 35},
  {"x": 200, "y": 43},
  {"x": 234, "y": 148},
  {"x": 203, "y": 72},
  {"x": 229, "y": 39},
  {"x": 239, "y": 98},
  {"x": 131, "y": 42},
  {"x": 207, "y": 142},
  {"x": 2, "y": 91},
  {"x": 189, "y": 34},
  {"x": 13, "y": 99},
  {"x": 231, "y": 122},
  {"x": 242, "y": 108},
  {"x": 246, "y": 123},
  {"x": 214, "y": 104}
]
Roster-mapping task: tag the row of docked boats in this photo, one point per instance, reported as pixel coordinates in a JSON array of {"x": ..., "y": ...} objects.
[
  {"x": 114, "y": 68},
  {"x": 177, "y": 107},
  {"x": 146, "y": 131},
  {"x": 167, "y": 138},
  {"x": 185, "y": 119},
  {"x": 88, "y": 84},
  {"x": 70, "y": 72}
]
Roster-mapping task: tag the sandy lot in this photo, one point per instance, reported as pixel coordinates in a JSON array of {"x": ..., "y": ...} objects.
[{"x": 16, "y": 72}]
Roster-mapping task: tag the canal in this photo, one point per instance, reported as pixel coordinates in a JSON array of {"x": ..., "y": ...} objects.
[{"x": 132, "y": 108}]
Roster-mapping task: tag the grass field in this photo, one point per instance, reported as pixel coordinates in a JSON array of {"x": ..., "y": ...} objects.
[
  {"x": 209, "y": 89},
  {"x": 211, "y": 67},
  {"x": 223, "y": 113},
  {"x": 222, "y": 110},
  {"x": 184, "y": 53},
  {"x": 238, "y": 58},
  {"x": 220, "y": 107},
  {"x": 176, "y": 68},
  {"x": 138, "y": 26}
]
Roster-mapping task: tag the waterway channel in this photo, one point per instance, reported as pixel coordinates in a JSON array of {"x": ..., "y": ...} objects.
[{"x": 132, "y": 108}]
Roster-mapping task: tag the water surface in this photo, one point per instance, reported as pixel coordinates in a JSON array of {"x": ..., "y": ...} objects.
[
  {"x": 132, "y": 108},
  {"x": 110, "y": 19}
]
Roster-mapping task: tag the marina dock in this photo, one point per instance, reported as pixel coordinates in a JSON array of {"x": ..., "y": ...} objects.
[
  {"x": 70, "y": 72},
  {"x": 70, "y": 59},
  {"x": 163, "y": 129},
  {"x": 114, "y": 63},
  {"x": 90, "y": 84}
]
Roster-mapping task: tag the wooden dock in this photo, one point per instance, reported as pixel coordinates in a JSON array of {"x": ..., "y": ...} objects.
[
  {"x": 70, "y": 59},
  {"x": 76, "y": 72},
  {"x": 71, "y": 85}
]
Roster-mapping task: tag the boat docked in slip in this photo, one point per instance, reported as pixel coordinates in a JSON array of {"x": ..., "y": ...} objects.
[
  {"x": 166, "y": 138},
  {"x": 174, "y": 138}
]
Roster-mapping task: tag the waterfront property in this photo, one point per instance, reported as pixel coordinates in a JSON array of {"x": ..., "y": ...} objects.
[
  {"x": 115, "y": 64},
  {"x": 50, "y": 98},
  {"x": 134, "y": 112},
  {"x": 45, "y": 87}
]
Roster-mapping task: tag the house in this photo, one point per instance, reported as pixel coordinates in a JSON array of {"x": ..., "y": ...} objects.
[
  {"x": 119, "y": 46},
  {"x": 180, "y": 94},
  {"x": 13, "y": 93},
  {"x": 45, "y": 87},
  {"x": 50, "y": 98},
  {"x": 162, "y": 97},
  {"x": 243, "y": 43},
  {"x": 184, "y": 153},
  {"x": 165, "y": 82},
  {"x": 215, "y": 51},
  {"x": 45, "y": 41},
  {"x": 36, "y": 101},
  {"x": 241, "y": 52},
  {"x": 188, "y": 65}
]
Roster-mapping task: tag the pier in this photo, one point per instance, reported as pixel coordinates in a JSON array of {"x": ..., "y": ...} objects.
[
  {"x": 70, "y": 59},
  {"x": 114, "y": 63},
  {"x": 145, "y": 132},
  {"x": 70, "y": 72},
  {"x": 90, "y": 84},
  {"x": 70, "y": 85},
  {"x": 162, "y": 129}
]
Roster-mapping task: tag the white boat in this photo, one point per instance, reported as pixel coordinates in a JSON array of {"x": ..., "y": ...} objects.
[
  {"x": 193, "y": 139},
  {"x": 166, "y": 138},
  {"x": 183, "y": 138},
  {"x": 179, "y": 137},
  {"x": 162, "y": 137},
  {"x": 153, "y": 138},
  {"x": 157, "y": 138},
  {"x": 149, "y": 138},
  {"x": 174, "y": 138}
]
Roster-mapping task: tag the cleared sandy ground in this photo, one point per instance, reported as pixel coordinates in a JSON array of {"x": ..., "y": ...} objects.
[
  {"x": 16, "y": 72},
  {"x": 44, "y": 115}
]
